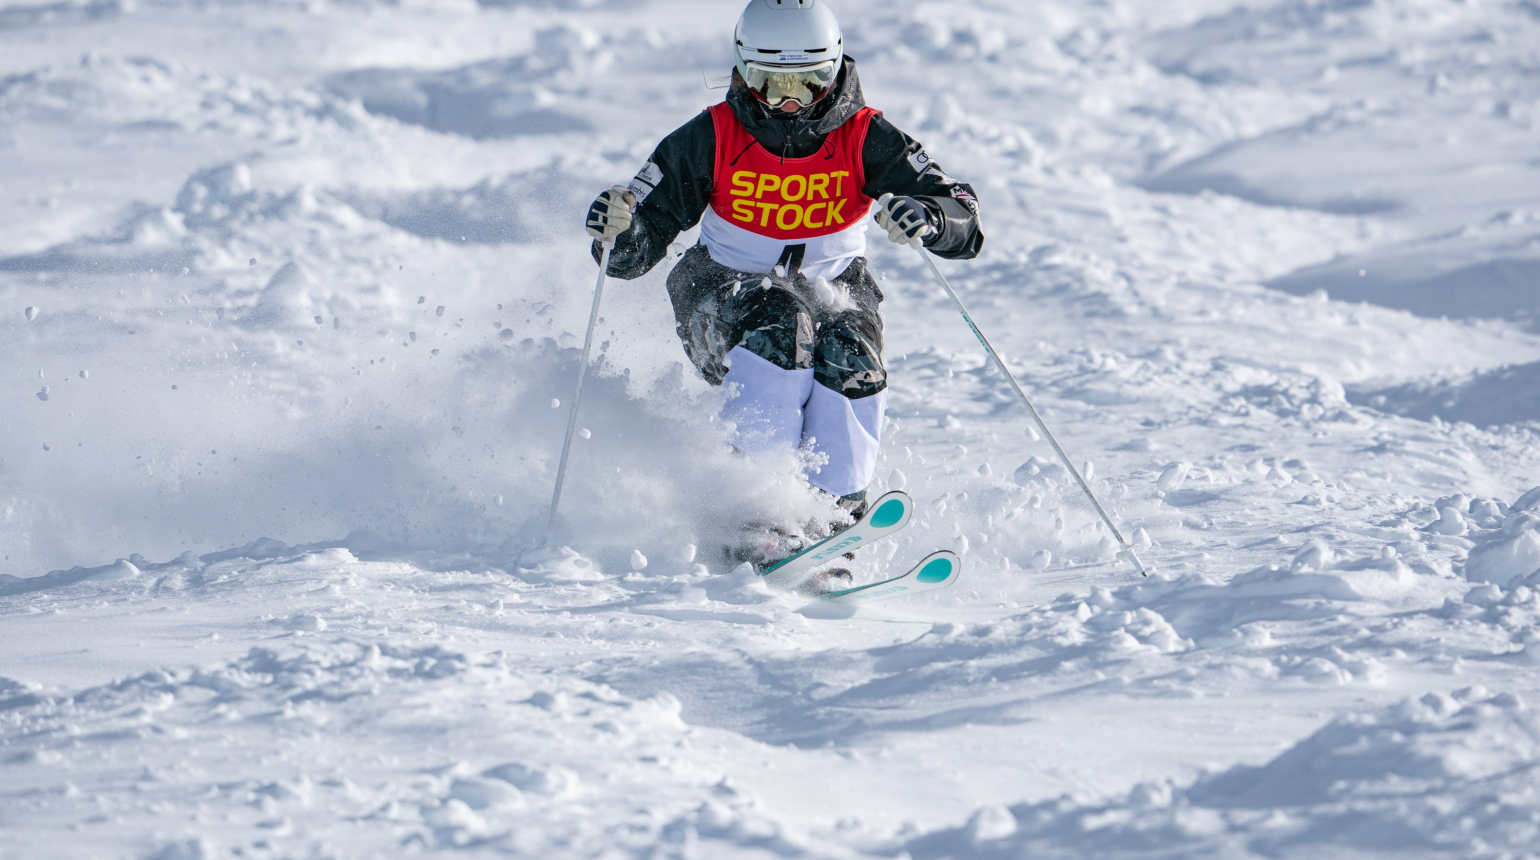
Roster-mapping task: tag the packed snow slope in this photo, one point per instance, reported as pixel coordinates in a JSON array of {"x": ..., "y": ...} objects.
[{"x": 291, "y": 296}]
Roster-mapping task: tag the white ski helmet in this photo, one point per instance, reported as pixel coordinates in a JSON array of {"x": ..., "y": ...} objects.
[{"x": 788, "y": 50}]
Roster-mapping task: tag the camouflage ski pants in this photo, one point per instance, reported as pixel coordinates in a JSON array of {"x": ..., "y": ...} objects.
[{"x": 806, "y": 360}]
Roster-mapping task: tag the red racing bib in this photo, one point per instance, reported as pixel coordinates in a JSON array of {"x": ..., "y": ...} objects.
[{"x": 798, "y": 198}]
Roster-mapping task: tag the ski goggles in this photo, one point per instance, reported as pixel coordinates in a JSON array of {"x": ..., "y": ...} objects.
[{"x": 775, "y": 85}]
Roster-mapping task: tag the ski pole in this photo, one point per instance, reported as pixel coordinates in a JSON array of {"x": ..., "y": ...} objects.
[
  {"x": 1127, "y": 550},
  {"x": 577, "y": 396}
]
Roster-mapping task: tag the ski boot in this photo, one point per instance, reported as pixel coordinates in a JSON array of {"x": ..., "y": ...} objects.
[
  {"x": 852, "y": 508},
  {"x": 763, "y": 545},
  {"x": 826, "y": 582}
]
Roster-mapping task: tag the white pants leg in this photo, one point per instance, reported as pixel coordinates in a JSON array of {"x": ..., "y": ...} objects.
[
  {"x": 776, "y": 408},
  {"x": 848, "y": 432},
  {"x": 767, "y": 408}
]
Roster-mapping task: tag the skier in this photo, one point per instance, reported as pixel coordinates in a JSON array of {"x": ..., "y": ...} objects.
[{"x": 777, "y": 297}]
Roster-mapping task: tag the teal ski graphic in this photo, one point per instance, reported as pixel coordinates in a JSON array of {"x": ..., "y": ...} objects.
[
  {"x": 885, "y": 517},
  {"x": 937, "y": 570}
]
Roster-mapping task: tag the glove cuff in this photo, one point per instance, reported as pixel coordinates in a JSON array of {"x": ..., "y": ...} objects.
[{"x": 934, "y": 217}]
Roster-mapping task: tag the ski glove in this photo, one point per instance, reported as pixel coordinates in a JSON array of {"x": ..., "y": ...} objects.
[
  {"x": 904, "y": 218},
  {"x": 610, "y": 214}
]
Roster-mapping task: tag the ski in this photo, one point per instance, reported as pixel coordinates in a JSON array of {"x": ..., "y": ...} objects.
[
  {"x": 937, "y": 570},
  {"x": 891, "y": 512}
]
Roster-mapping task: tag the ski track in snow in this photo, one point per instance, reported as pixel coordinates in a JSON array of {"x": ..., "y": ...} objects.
[{"x": 288, "y": 292}]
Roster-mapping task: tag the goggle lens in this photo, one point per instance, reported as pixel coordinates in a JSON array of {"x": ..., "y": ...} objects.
[{"x": 777, "y": 85}]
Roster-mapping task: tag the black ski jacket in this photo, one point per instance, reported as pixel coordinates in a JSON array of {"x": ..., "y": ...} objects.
[{"x": 675, "y": 185}]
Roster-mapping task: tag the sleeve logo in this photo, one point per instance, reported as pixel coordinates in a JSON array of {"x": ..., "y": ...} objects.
[
  {"x": 924, "y": 165},
  {"x": 962, "y": 196},
  {"x": 646, "y": 180}
]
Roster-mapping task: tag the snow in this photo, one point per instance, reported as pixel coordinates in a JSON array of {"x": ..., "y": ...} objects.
[{"x": 295, "y": 294}]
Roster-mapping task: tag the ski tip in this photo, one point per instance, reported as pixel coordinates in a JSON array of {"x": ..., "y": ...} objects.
[
  {"x": 892, "y": 510},
  {"x": 938, "y": 570}
]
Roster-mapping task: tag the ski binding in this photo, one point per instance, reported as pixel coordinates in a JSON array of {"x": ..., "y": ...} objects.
[{"x": 891, "y": 512}]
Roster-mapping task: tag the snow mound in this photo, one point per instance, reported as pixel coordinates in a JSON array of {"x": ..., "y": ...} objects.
[
  {"x": 1464, "y": 250},
  {"x": 221, "y": 219},
  {"x": 1477, "y": 274},
  {"x": 1508, "y": 554},
  {"x": 161, "y": 94},
  {"x": 18, "y": 16},
  {"x": 1507, "y": 395},
  {"x": 521, "y": 95},
  {"x": 1445, "y": 773},
  {"x": 1189, "y": 636},
  {"x": 524, "y": 778},
  {"x": 515, "y": 209}
]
